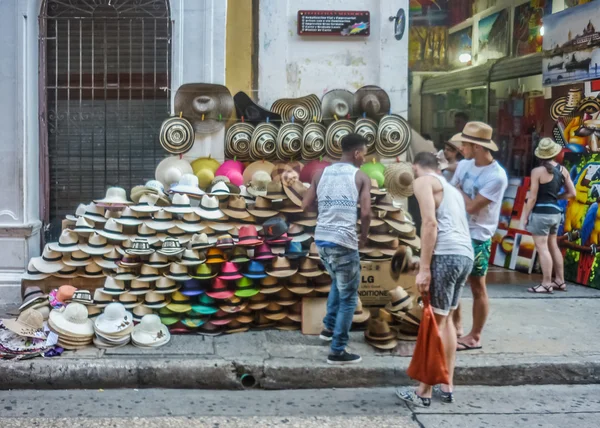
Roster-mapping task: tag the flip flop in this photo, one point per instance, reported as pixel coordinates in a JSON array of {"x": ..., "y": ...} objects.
[{"x": 467, "y": 347}]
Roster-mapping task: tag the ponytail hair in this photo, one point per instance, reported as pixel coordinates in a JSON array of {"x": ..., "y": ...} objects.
[{"x": 547, "y": 163}]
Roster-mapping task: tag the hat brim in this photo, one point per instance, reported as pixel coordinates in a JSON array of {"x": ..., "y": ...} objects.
[
  {"x": 220, "y": 295},
  {"x": 276, "y": 317},
  {"x": 21, "y": 329},
  {"x": 257, "y": 307},
  {"x": 311, "y": 274},
  {"x": 95, "y": 251},
  {"x": 145, "y": 208},
  {"x": 191, "y": 227},
  {"x": 160, "y": 226},
  {"x": 247, "y": 292},
  {"x": 544, "y": 156},
  {"x": 301, "y": 238},
  {"x": 168, "y": 252},
  {"x": 179, "y": 278},
  {"x": 407, "y": 338},
  {"x": 413, "y": 242},
  {"x": 230, "y": 276},
  {"x": 461, "y": 138},
  {"x": 179, "y": 307},
  {"x": 95, "y": 218},
  {"x": 381, "y": 238},
  {"x": 125, "y": 277},
  {"x": 46, "y": 267},
  {"x": 85, "y": 329},
  {"x": 361, "y": 318},
  {"x": 384, "y": 346},
  {"x": 204, "y": 310},
  {"x": 35, "y": 276},
  {"x": 82, "y": 263},
  {"x": 406, "y": 227},
  {"x": 179, "y": 210},
  {"x": 112, "y": 235},
  {"x": 282, "y": 273},
  {"x": 263, "y": 213},
  {"x": 300, "y": 290},
  {"x": 255, "y": 275},
  {"x": 55, "y": 246},
  {"x": 306, "y": 222},
  {"x": 271, "y": 290}
]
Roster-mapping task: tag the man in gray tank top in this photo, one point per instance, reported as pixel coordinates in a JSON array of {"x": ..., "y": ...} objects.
[
  {"x": 337, "y": 191},
  {"x": 446, "y": 261}
]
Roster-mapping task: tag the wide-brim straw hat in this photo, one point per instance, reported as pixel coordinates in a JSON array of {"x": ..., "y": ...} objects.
[
  {"x": 176, "y": 135},
  {"x": 477, "y": 133},
  {"x": 367, "y": 128},
  {"x": 337, "y": 103},
  {"x": 209, "y": 208},
  {"x": 262, "y": 208},
  {"x": 400, "y": 300},
  {"x": 393, "y": 136},
  {"x": 361, "y": 314},
  {"x": 237, "y": 141},
  {"x": 281, "y": 268},
  {"x": 207, "y": 106},
  {"x": 264, "y": 143},
  {"x": 170, "y": 170},
  {"x": 114, "y": 195},
  {"x": 414, "y": 242},
  {"x": 302, "y": 110},
  {"x": 313, "y": 141},
  {"x": 379, "y": 331},
  {"x": 67, "y": 242},
  {"x": 372, "y": 101},
  {"x": 335, "y": 133},
  {"x": 399, "y": 178},
  {"x": 547, "y": 149},
  {"x": 289, "y": 141},
  {"x": 73, "y": 319},
  {"x": 49, "y": 262}
]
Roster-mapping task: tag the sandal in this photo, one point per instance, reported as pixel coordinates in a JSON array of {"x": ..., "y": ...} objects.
[
  {"x": 545, "y": 289},
  {"x": 559, "y": 287}
]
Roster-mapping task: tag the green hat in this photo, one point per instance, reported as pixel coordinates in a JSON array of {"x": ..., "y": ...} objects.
[
  {"x": 167, "y": 316},
  {"x": 239, "y": 255},
  {"x": 205, "y": 305},
  {"x": 245, "y": 288},
  {"x": 204, "y": 272},
  {"x": 374, "y": 170},
  {"x": 179, "y": 303},
  {"x": 192, "y": 320}
]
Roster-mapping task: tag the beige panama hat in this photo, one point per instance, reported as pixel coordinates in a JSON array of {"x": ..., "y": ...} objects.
[
  {"x": 337, "y": 103},
  {"x": 67, "y": 242},
  {"x": 477, "y": 133},
  {"x": 49, "y": 262},
  {"x": 170, "y": 170},
  {"x": 547, "y": 148}
]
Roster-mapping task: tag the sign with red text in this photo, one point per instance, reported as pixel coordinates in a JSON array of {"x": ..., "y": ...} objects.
[{"x": 349, "y": 23}]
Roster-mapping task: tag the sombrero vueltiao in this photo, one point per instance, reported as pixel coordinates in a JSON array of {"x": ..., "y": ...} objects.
[
  {"x": 333, "y": 138},
  {"x": 367, "y": 128},
  {"x": 313, "y": 140},
  {"x": 303, "y": 110},
  {"x": 176, "y": 135},
  {"x": 337, "y": 103},
  {"x": 393, "y": 136},
  {"x": 237, "y": 141},
  {"x": 289, "y": 141},
  {"x": 564, "y": 106},
  {"x": 264, "y": 142},
  {"x": 207, "y": 106}
]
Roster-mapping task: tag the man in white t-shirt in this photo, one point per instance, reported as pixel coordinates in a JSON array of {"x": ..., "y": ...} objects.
[{"x": 482, "y": 182}]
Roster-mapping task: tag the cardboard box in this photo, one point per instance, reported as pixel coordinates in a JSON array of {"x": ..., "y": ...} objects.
[{"x": 376, "y": 281}]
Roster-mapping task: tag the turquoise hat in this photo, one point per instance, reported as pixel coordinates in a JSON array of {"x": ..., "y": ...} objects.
[
  {"x": 205, "y": 305},
  {"x": 193, "y": 321}
]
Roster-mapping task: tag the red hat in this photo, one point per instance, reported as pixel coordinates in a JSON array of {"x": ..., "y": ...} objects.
[
  {"x": 229, "y": 272},
  {"x": 221, "y": 318},
  {"x": 248, "y": 236},
  {"x": 263, "y": 253},
  {"x": 219, "y": 290},
  {"x": 309, "y": 170}
]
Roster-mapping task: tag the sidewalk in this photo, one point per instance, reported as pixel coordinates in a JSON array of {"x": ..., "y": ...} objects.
[{"x": 529, "y": 339}]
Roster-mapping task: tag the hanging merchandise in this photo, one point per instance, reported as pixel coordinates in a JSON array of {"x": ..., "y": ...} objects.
[
  {"x": 367, "y": 128},
  {"x": 337, "y": 103},
  {"x": 313, "y": 141},
  {"x": 264, "y": 142},
  {"x": 170, "y": 170},
  {"x": 333, "y": 139},
  {"x": 301, "y": 110},
  {"x": 176, "y": 135},
  {"x": 289, "y": 141},
  {"x": 372, "y": 101},
  {"x": 207, "y": 106},
  {"x": 393, "y": 137},
  {"x": 238, "y": 140},
  {"x": 248, "y": 111}
]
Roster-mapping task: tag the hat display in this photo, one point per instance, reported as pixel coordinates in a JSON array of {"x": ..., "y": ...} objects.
[
  {"x": 400, "y": 221},
  {"x": 313, "y": 141},
  {"x": 310, "y": 268},
  {"x": 114, "y": 196},
  {"x": 224, "y": 241},
  {"x": 176, "y": 135},
  {"x": 148, "y": 274},
  {"x": 73, "y": 320},
  {"x": 177, "y": 272},
  {"x": 393, "y": 136},
  {"x": 237, "y": 141},
  {"x": 379, "y": 335},
  {"x": 371, "y": 101},
  {"x": 313, "y": 252},
  {"x": 80, "y": 211},
  {"x": 333, "y": 138},
  {"x": 170, "y": 170},
  {"x": 246, "y": 288},
  {"x": 547, "y": 148},
  {"x": 180, "y": 303},
  {"x": 259, "y": 184},
  {"x": 219, "y": 290},
  {"x": 209, "y": 208},
  {"x": 298, "y": 284},
  {"x": 192, "y": 258},
  {"x": 67, "y": 242},
  {"x": 49, "y": 262},
  {"x": 78, "y": 258},
  {"x": 150, "y": 332},
  {"x": 295, "y": 191},
  {"x": 285, "y": 297},
  {"x": 176, "y": 233},
  {"x": 386, "y": 203},
  {"x": 155, "y": 300},
  {"x": 399, "y": 301},
  {"x": 322, "y": 283},
  {"x": 68, "y": 272},
  {"x": 206, "y": 305},
  {"x": 138, "y": 288},
  {"x": 207, "y": 106},
  {"x": 161, "y": 220},
  {"x": 114, "y": 320},
  {"x": 249, "y": 111},
  {"x": 263, "y": 144},
  {"x": 262, "y": 208},
  {"x": 233, "y": 305},
  {"x": 361, "y": 315},
  {"x": 294, "y": 250},
  {"x": 476, "y": 133},
  {"x": 180, "y": 204},
  {"x": 367, "y": 128},
  {"x": 248, "y": 236},
  {"x": 166, "y": 285},
  {"x": 275, "y": 191},
  {"x": 188, "y": 185},
  {"x": 214, "y": 256},
  {"x": 140, "y": 247},
  {"x": 171, "y": 247},
  {"x": 199, "y": 241},
  {"x": 289, "y": 141},
  {"x": 192, "y": 287},
  {"x": 229, "y": 271},
  {"x": 337, "y": 103},
  {"x": 297, "y": 233},
  {"x": 94, "y": 213},
  {"x": 29, "y": 323},
  {"x": 146, "y": 204},
  {"x": 113, "y": 287},
  {"x": 281, "y": 268},
  {"x": 112, "y": 230},
  {"x": 302, "y": 110},
  {"x": 83, "y": 227},
  {"x": 274, "y": 312}
]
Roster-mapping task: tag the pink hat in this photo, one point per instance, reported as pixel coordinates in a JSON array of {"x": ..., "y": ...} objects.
[
  {"x": 219, "y": 290},
  {"x": 229, "y": 272},
  {"x": 235, "y": 177},
  {"x": 263, "y": 252},
  {"x": 281, "y": 240},
  {"x": 229, "y": 165},
  {"x": 311, "y": 168},
  {"x": 221, "y": 318}
]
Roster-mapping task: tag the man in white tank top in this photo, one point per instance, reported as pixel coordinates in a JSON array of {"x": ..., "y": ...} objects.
[{"x": 446, "y": 261}]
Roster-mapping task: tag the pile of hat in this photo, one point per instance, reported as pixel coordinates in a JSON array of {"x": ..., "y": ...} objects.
[
  {"x": 399, "y": 320},
  {"x": 23, "y": 336},
  {"x": 113, "y": 327},
  {"x": 292, "y": 128},
  {"x": 72, "y": 325}
]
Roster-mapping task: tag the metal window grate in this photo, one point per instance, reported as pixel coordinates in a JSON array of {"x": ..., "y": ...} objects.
[{"x": 105, "y": 75}]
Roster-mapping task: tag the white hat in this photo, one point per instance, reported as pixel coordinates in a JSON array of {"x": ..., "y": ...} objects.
[
  {"x": 108, "y": 260},
  {"x": 139, "y": 287},
  {"x": 66, "y": 272},
  {"x": 101, "y": 299},
  {"x": 114, "y": 287},
  {"x": 170, "y": 170},
  {"x": 129, "y": 300},
  {"x": 145, "y": 232},
  {"x": 220, "y": 188},
  {"x": 128, "y": 218},
  {"x": 162, "y": 220},
  {"x": 180, "y": 205},
  {"x": 148, "y": 274},
  {"x": 77, "y": 258},
  {"x": 150, "y": 332},
  {"x": 114, "y": 320},
  {"x": 146, "y": 204},
  {"x": 78, "y": 213},
  {"x": 188, "y": 185},
  {"x": 67, "y": 242},
  {"x": 49, "y": 262},
  {"x": 113, "y": 230},
  {"x": 83, "y": 226},
  {"x": 93, "y": 271},
  {"x": 96, "y": 245},
  {"x": 33, "y": 274},
  {"x": 114, "y": 195},
  {"x": 73, "y": 319},
  {"x": 94, "y": 213},
  {"x": 191, "y": 222},
  {"x": 209, "y": 208}
]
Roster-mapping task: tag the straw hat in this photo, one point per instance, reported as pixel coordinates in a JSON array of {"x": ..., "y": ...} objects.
[
  {"x": 101, "y": 299},
  {"x": 263, "y": 144},
  {"x": 199, "y": 241},
  {"x": 165, "y": 285},
  {"x": 259, "y": 184},
  {"x": 146, "y": 204},
  {"x": 281, "y": 268},
  {"x": 140, "y": 247},
  {"x": 229, "y": 271},
  {"x": 180, "y": 204},
  {"x": 335, "y": 133},
  {"x": 371, "y": 101},
  {"x": 295, "y": 191},
  {"x": 161, "y": 220},
  {"x": 379, "y": 334},
  {"x": 176, "y": 135},
  {"x": 262, "y": 208},
  {"x": 274, "y": 312},
  {"x": 113, "y": 230},
  {"x": 155, "y": 300},
  {"x": 289, "y": 141},
  {"x": 79, "y": 258},
  {"x": 361, "y": 315},
  {"x": 337, "y": 103},
  {"x": 298, "y": 284},
  {"x": 367, "y": 128},
  {"x": 477, "y": 133},
  {"x": 209, "y": 208},
  {"x": 386, "y": 203},
  {"x": 547, "y": 148},
  {"x": 114, "y": 195},
  {"x": 138, "y": 288},
  {"x": 410, "y": 316},
  {"x": 80, "y": 211},
  {"x": 285, "y": 298},
  {"x": 219, "y": 290},
  {"x": 207, "y": 106},
  {"x": 170, "y": 170},
  {"x": 124, "y": 274},
  {"x": 33, "y": 298},
  {"x": 192, "y": 258},
  {"x": 302, "y": 110},
  {"x": 313, "y": 141},
  {"x": 68, "y": 272},
  {"x": 177, "y": 272},
  {"x": 92, "y": 271},
  {"x": 393, "y": 136},
  {"x": 67, "y": 242},
  {"x": 399, "y": 221},
  {"x": 275, "y": 190},
  {"x": 270, "y": 285},
  {"x": 83, "y": 227},
  {"x": 94, "y": 213},
  {"x": 295, "y": 312},
  {"x": 400, "y": 300},
  {"x": 180, "y": 303},
  {"x": 49, "y": 262},
  {"x": 565, "y": 106},
  {"x": 171, "y": 247},
  {"x": 30, "y": 323},
  {"x": 150, "y": 332},
  {"x": 130, "y": 261},
  {"x": 113, "y": 287},
  {"x": 114, "y": 320},
  {"x": 310, "y": 268},
  {"x": 237, "y": 141},
  {"x": 73, "y": 319},
  {"x": 188, "y": 185}
]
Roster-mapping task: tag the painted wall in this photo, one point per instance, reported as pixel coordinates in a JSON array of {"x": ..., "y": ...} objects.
[{"x": 292, "y": 66}]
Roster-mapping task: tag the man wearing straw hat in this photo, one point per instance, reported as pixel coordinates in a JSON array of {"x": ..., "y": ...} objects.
[
  {"x": 338, "y": 189},
  {"x": 482, "y": 182}
]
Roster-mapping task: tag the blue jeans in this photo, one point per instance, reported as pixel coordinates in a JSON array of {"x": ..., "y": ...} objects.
[{"x": 343, "y": 264}]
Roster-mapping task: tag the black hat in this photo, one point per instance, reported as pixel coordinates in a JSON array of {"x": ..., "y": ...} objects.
[
  {"x": 274, "y": 228},
  {"x": 252, "y": 112}
]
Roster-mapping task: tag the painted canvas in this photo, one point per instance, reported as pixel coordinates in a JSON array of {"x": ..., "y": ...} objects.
[
  {"x": 579, "y": 234},
  {"x": 428, "y": 49},
  {"x": 460, "y": 42},
  {"x": 572, "y": 45},
  {"x": 527, "y": 37},
  {"x": 493, "y": 36},
  {"x": 431, "y": 13}
]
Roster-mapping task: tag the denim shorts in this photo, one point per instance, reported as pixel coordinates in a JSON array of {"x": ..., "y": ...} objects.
[{"x": 543, "y": 224}]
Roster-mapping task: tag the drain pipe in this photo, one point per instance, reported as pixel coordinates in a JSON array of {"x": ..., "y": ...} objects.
[{"x": 247, "y": 380}]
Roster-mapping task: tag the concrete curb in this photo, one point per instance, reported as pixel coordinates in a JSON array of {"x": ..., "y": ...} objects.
[{"x": 277, "y": 373}]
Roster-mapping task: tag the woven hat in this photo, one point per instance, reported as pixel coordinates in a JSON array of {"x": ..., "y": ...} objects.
[
  {"x": 225, "y": 241},
  {"x": 477, "y": 133},
  {"x": 161, "y": 220},
  {"x": 94, "y": 213},
  {"x": 29, "y": 323},
  {"x": 295, "y": 191},
  {"x": 248, "y": 236},
  {"x": 171, "y": 247},
  {"x": 262, "y": 208},
  {"x": 188, "y": 185},
  {"x": 547, "y": 148},
  {"x": 83, "y": 227},
  {"x": 72, "y": 320},
  {"x": 371, "y": 100},
  {"x": 294, "y": 250},
  {"x": 138, "y": 288},
  {"x": 335, "y": 133},
  {"x": 307, "y": 218},
  {"x": 130, "y": 261},
  {"x": 302, "y": 110},
  {"x": 274, "y": 312},
  {"x": 410, "y": 316},
  {"x": 206, "y": 105},
  {"x": 146, "y": 204},
  {"x": 176, "y": 233},
  {"x": 92, "y": 271},
  {"x": 199, "y": 241},
  {"x": 180, "y": 205},
  {"x": 281, "y": 268},
  {"x": 49, "y": 262},
  {"x": 101, "y": 299},
  {"x": 82, "y": 296},
  {"x": 270, "y": 285},
  {"x": 379, "y": 331},
  {"x": 78, "y": 258},
  {"x": 113, "y": 230},
  {"x": 68, "y": 272},
  {"x": 115, "y": 320},
  {"x": 565, "y": 106},
  {"x": 297, "y": 233},
  {"x": 176, "y": 135},
  {"x": 151, "y": 187},
  {"x": 298, "y": 284},
  {"x": 400, "y": 221},
  {"x": 191, "y": 223},
  {"x": 180, "y": 303},
  {"x": 150, "y": 332},
  {"x": 322, "y": 283},
  {"x": 337, "y": 103},
  {"x": 155, "y": 300},
  {"x": 139, "y": 311},
  {"x": 237, "y": 141},
  {"x": 393, "y": 136},
  {"x": 229, "y": 271},
  {"x": 140, "y": 247},
  {"x": 80, "y": 211},
  {"x": 313, "y": 141},
  {"x": 170, "y": 170},
  {"x": 206, "y": 305},
  {"x": 263, "y": 252},
  {"x": 386, "y": 203},
  {"x": 166, "y": 285},
  {"x": 399, "y": 301},
  {"x": 361, "y": 315},
  {"x": 209, "y": 208},
  {"x": 215, "y": 256},
  {"x": 113, "y": 287},
  {"x": 67, "y": 242},
  {"x": 232, "y": 305},
  {"x": 259, "y": 184},
  {"x": 177, "y": 272},
  {"x": 295, "y": 312},
  {"x": 263, "y": 144},
  {"x": 114, "y": 196},
  {"x": 192, "y": 258},
  {"x": 236, "y": 207},
  {"x": 285, "y": 298},
  {"x": 310, "y": 268},
  {"x": 289, "y": 141},
  {"x": 367, "y": 128},
  {"x": 219, "y": 290},
  {"x": 33, "y": 298}
]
